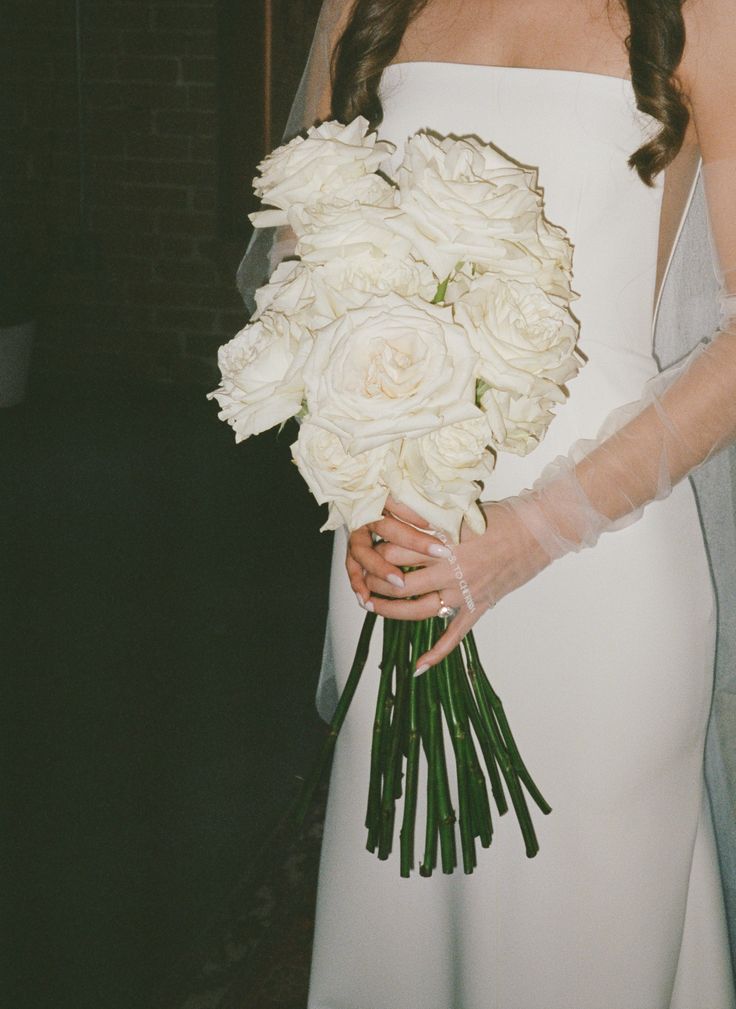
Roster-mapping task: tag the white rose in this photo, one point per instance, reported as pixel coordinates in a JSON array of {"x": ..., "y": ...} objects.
[
  {"x": 394, "y": 368},
  {"x": 518, "y": 423},
  {"x": 326, "y": 162},
  {"x": 307, "y": 295},
  {"x": 323, "y": 210},
  {"x": 261, "y": 374},
  {"x": 358, "y": 252},
  {"x": 463, "y": 201},
  {"x": 526, "y": 345},
  {"x": 342, "y": 231},
  {"x": 438, "y": 475},
  {"x": 378, "y": 273},
  {"x": 353, "y": 486},
  {"x": 289, "y": 290}
]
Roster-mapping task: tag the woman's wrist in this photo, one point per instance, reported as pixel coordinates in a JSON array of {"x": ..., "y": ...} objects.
[{"x": 513, "y": 549}]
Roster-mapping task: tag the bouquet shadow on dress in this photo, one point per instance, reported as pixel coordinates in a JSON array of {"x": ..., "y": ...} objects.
[{"x": 422, "y": 327}]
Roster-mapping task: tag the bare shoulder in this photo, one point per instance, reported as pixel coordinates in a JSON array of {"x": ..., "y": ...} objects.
[
  {"x": 710, "y": 40},
  {"x": 708, "y": 71}
]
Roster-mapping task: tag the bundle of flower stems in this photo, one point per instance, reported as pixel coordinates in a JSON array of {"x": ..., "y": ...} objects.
[{"x": 411, "y": 715}]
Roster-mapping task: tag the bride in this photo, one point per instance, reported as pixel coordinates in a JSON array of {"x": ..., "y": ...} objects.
[{"x": 596, "y": 617}]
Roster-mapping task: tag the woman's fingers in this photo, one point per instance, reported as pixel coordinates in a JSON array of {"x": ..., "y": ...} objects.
[
  {"x": 456, "y": 631},
  {"x": 362, "y": 551},
  {"x": 402, "y": 557},
  {"x": 404, "y": 546},
  {"x": 404, "y": 535},
  {"x": 431, "y": 578},
  {"x": 357, "y": 578},
  {"x": 403, "y": 511},
  {"x": 406, "y": 609}
]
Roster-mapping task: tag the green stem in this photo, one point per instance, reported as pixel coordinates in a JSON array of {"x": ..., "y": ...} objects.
[
  {"x": 480, "y": 806},
  {"x": 403, "y": 676},
  {"x": 499, "y": 796},
  {"x": 429, "y": 861},
  {"x": 392, "y": 776},
  {"x": 446, "y": 814},
  {"x": 412, "y": 760},
  {"x": 459, "y": 737},
  {"x": 304, "y": 799},
  {"x": 505, "y": 728},
  {"x": 504, "y": 762},
  {"x": 380, "y": 725},
  {"x": 441, "y": 291}
]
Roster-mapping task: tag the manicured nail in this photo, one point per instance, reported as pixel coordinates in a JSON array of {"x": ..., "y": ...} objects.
[
  {"x": 395, "y": 580},
  {"x": 437, "y": 550},
  {"x": 421, "y": 669},
  {"x": 360, "y": 601},
  {"x": 369, "y": 606}
]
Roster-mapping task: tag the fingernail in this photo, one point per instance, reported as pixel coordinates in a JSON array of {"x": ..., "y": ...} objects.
[
  {"x": 369, "y": 606},
  {"x": 360, "y": 601},
  {"x": 421, "y": 669},
  {"x": 437, "y": 550},
  {"x": 395, "y": 580}
]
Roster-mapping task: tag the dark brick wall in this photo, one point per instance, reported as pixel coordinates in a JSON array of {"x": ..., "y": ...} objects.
[{"x": 141, "y": 282}]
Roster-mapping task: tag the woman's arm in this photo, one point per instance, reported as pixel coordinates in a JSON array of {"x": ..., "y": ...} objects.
[{"x": 685, "y": 415}]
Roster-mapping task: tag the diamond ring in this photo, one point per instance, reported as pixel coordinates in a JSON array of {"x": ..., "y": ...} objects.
[{"x": 446, "y": 611}]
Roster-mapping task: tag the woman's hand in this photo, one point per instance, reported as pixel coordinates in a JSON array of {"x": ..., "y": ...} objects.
[
  {"x": 400, "y": 525},
  {"x": 471, "y": 576}
]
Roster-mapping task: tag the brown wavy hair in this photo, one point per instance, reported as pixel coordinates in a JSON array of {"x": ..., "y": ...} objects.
[{"x": 655, "y": 44}]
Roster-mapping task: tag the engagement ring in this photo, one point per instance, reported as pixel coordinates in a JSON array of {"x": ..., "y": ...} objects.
[{"x": 446, "y": 611}]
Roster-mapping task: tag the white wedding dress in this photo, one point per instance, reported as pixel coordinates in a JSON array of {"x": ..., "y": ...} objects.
[{"x": 604, "y": 661}]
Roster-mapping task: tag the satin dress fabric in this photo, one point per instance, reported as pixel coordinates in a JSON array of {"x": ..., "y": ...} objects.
[{"x": 604, "y": 661}]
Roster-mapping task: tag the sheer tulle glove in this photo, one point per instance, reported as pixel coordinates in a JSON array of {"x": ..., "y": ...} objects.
[{"x": 685, "y": 415}]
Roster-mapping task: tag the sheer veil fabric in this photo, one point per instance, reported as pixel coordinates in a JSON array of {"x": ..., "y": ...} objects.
[
  {"x": 688, "y": 310},
  {"x": 268, "y": 246}
]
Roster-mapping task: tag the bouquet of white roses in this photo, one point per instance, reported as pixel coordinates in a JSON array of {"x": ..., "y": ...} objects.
[{"x": 422, "y": 327}]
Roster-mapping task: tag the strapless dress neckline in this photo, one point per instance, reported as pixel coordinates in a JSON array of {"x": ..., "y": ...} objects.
[{"x": 511, "y": 69}]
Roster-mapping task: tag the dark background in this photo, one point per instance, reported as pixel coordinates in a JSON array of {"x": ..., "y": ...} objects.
[
  {"x": 164, "y": 592},
  {"x": 129, "y": 134}
]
